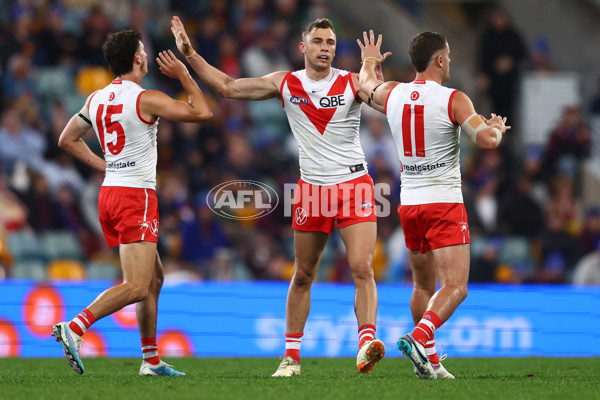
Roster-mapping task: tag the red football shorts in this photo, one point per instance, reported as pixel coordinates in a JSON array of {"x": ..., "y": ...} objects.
[
  {"x": 317, "y": 208},
  {"x": 432, "y": 226},
  {"x": 128, "y": 214}
]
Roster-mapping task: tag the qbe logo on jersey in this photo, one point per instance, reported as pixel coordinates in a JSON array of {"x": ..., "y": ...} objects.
[{"x": 242, "y": 199}]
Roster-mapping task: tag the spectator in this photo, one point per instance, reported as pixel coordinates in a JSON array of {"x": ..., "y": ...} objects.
[
  {"x": 13, "y": 212},
  {"x": 569, "y": 143},
  {"x": 564, "y": 206},
  {"x": 587, "y": 270},
  {"x": 502, "y": 51},
  {"x": 519, "y": 212},
  {"x": 590, "y": 235},
  {"x": 376, "y": 140},
  {"x": 41, "y": 205},
  {"x": 202, "y": 236},
  {"x": 20, "y": 143},
  {"x": 54, "y": 45},
  {"x": 484, "y": 266},
  {"x": 559, "y": 251}
]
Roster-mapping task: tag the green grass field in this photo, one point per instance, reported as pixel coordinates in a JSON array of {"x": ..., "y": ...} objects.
[{"x": 249, "y": 378}]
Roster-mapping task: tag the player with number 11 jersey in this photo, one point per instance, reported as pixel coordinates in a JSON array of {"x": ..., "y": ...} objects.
[
  {"x": 430, "y": 173},
  {"x": 425, "y": 117}
]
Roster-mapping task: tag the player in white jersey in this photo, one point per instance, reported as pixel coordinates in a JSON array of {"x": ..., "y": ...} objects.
[
  {"x": 426, "y": 119},
  {"x": 322, "y": 105},
  {"x": 124, "y": 116}
]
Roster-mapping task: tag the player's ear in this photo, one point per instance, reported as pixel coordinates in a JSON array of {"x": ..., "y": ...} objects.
[
  {"x": 439, "y": 61},
  {"x": 302, "y": 47}
]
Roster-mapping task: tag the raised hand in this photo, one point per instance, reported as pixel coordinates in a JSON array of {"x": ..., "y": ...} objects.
[
  {"x": 181, "y": 38},
  {"x": 371, "y": 50},
  {"x": 170, "y": 65}
]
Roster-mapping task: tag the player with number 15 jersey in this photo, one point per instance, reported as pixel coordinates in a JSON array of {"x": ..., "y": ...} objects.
[
  {"x": 128, "y": 141},
  {"x": 125, "y": 117}
]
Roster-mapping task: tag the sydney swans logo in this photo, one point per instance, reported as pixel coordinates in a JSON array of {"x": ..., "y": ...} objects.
[{"x": 242, "y": 199}]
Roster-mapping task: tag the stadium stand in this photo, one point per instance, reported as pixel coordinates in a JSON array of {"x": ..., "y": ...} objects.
[{"x": 52, "y": 61}]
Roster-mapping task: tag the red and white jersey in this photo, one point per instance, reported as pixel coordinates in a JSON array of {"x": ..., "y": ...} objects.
[
  {"x": 427, "y": 138},
  {"x": 128, "y": 141},
  {"x": 325, "y": 117}
]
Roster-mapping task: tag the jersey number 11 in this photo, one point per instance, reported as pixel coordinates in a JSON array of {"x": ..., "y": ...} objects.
[{"x": 407, "y": 114}]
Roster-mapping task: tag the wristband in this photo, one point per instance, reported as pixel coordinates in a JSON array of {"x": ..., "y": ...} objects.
[
  {"x": 377, "y": 60},
  {"x": 191, "y": 55}
]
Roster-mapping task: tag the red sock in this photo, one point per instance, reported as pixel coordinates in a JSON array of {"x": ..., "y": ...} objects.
[
  {"x": 431, "y": 352},
  {"x": 82, "y": 322},
  {"x": 425, "y": 330},
  {"x": 292, "y": 345},
  {"x": 150, "y": 351},
  {"x": 365, "y": 332}
]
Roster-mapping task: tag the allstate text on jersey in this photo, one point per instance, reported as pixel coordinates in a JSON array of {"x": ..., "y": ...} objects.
[
  {"x": 120, "y": 164},
  {"x": 420, "y": 169}
]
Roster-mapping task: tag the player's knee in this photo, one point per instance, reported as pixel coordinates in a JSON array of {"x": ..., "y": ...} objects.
[
  {"x": 428, "y": 288},
  {"x": 362, "y": 271},
  {"x": 303, "y": 277},
  {"x": 460, "y": 293},
  {"x": 139, "y": 292}
]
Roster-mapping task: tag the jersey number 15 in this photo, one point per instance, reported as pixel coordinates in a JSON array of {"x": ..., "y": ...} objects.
[
  {"x": 110, "y": 127},
  {"x": 407, "y": 134}
]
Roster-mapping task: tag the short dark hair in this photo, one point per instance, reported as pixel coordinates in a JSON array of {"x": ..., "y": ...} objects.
[
  {"x": 319, "y": 23},
  {"x": 422, "y": 48},
  {"x": 119, "y": 49}
]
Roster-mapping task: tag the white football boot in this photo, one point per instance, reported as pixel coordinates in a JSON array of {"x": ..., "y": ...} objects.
[
  {"x": 371, "y": 352},
  {"x": 161, "y": 369},
  {"x": 438, "y": 369},
  {"x": 71, "y": 343},
  {"x": 287, "y": 367},
  {"x": 416, "y": 353}
]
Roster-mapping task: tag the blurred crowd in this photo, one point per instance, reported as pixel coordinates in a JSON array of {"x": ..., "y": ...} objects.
[{"x": 524, "y": 204}]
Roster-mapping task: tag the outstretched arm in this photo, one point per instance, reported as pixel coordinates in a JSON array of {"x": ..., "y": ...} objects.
[
  {"x": 376, "y": 89},
  {"x": 486, "y": 133},
  {"x": 262, "y": 88},
  {"x": 157, "y": 104}
]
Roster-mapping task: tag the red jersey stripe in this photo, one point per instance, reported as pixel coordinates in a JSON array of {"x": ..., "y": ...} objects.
[
  {"x": 450, "y": 107},
  {"x": 406, "y": 131},
  {"x": 137, "y": 108},
  {"x": 281, "y": 88},
  {"x": 419, "y": 130}
]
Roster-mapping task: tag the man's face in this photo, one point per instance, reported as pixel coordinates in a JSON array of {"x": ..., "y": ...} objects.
[
  {"x": 143, "y": 58},
  {"x": 319, "y": 48}
]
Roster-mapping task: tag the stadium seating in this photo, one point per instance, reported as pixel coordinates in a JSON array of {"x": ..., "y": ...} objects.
[
  {"x": 61, "y": 244},
  {"x": 26, "y": 246},
  {"x": 102, "y": 271},
  {"x": 516, "y": 251},
  {"x": 6, "y": 258},
  {"x": 31, "y": 269},
  {"x": 66, "y": 269}
]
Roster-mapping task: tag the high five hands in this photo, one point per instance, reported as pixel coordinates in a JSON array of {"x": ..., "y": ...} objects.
[
  {"x": 181, "y": 38},
  {"x": 371, "y": 50}
]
